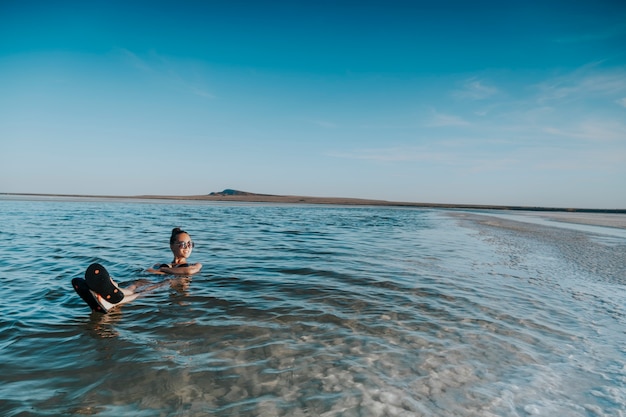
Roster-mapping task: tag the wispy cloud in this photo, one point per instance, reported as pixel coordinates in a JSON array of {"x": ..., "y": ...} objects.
[
  {"x": 325, "y": 124},
  {"x": 584, "y": 83},
  {"x": 395, "y": 154},
  {"x": 590, "y": 160},
  {"x": 464, "y": 162},
  {"x": 443, "y": 120},
  {"x": 169, "y": 73},
  {"x": 135, "y": 61},
  {"x": 593, "y": 130},
  {"x": 474, "y": 89},
  {"x": 201, "y": 92},
  {"x": 581, "y": 105}
]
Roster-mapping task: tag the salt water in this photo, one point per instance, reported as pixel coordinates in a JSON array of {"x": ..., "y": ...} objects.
[{"x": 310, "y": 311}]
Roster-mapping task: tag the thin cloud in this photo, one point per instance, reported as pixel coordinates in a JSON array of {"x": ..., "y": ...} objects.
[
  {"x": 595, "y": 131},
  {"x": 135, "y": 61},
  {"x": 443, "y": 120},
  {"x": 395, "y": 154},
  {"x": 475, "y": 90},
  {"x": 202, "y": 93},
  {"x": 582, "y": 84},
  {"x": 579, "y": 105},
  {"x": 492, "y": 164},
  {"x": 576, "y": 160},
  {"x": 388, "y": 126},
  {"x": 476, "y": 162},
  {"x": 325, "y": 124},
  {"x": 164, "y": 70}
]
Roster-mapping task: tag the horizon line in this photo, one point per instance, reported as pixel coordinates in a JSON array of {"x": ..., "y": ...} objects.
[{"x": 243, "y": 196}]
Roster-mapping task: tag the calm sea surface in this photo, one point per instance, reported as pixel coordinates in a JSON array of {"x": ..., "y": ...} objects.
[{"x": 310, "y": 311}]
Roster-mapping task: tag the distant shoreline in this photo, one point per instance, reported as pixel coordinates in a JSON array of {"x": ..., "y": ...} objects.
[{"x": 288, "y": 199}]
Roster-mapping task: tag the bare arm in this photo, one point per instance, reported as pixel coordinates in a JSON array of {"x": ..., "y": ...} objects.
[
  {"x": 182, "y": 270},
  {"x": 156, "y": 269}
]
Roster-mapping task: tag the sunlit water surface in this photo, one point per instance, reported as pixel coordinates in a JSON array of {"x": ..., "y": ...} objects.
[{"x": 310, "y": 311}]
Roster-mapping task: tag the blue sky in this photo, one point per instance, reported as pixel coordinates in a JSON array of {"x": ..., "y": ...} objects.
[{"x": 483, "y": 102}]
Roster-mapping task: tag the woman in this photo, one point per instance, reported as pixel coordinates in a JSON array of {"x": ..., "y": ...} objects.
[
  {"x": 101, "y": 293},
  {"x": 181, "y": 246}
]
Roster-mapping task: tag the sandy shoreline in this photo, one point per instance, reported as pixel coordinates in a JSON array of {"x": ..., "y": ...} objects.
[
  {"x": 494, "y": 217},
  {"x": 595, "y": 217}
]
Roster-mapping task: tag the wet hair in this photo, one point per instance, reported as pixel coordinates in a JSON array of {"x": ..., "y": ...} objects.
[{"x": 175, "y": 232}]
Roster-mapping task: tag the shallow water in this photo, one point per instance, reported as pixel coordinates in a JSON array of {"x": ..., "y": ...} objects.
[{"x": 310, "y": 311}]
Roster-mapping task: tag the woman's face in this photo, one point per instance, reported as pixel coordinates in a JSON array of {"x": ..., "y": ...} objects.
[{"x": 182, "y": 246}]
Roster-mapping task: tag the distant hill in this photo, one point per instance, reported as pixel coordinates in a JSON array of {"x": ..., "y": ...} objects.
[
  {"x": 237, "y": 193},
  {"x": 228, "y": 192}
]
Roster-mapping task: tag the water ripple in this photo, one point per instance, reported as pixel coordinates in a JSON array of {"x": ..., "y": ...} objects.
[{"x": 321, "y": 311}]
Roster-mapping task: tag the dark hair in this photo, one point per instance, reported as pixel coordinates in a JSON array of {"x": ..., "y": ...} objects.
[{"x": 175, "y": 232}]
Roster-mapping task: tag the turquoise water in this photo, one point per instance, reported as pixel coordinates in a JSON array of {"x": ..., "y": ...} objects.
[{"x": 310, "y": 311}]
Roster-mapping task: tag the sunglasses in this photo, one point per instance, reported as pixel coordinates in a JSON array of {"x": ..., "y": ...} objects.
[{"x": 185, "y": 245}]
